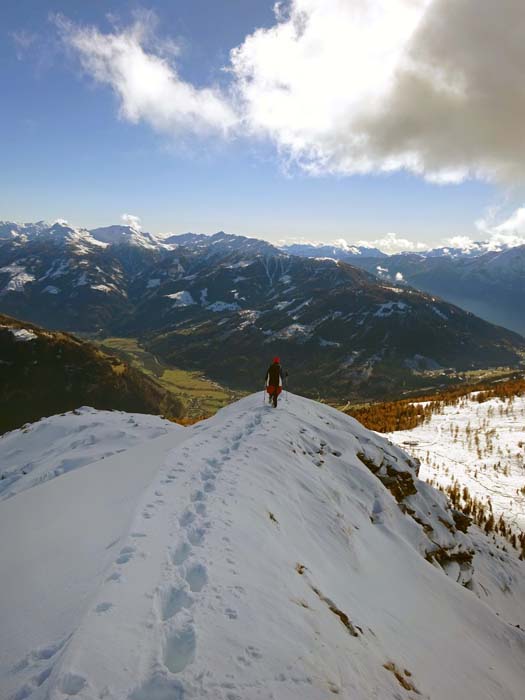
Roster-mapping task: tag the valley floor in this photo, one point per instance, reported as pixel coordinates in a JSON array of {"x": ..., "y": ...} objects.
[{"x": 201, "y": 396}]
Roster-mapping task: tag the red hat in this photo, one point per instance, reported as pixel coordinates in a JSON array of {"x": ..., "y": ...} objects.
[{"x": 276, "y": 360}]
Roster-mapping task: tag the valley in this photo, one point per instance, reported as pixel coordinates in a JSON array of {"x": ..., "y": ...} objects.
[
  {"x": 202, "y": 397},
  {"x": 485, "y": 279},
  {"x": 221, "y": 306}
]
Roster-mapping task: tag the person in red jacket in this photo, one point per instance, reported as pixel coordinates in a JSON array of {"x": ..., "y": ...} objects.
[{"x": 274, "y": 380}]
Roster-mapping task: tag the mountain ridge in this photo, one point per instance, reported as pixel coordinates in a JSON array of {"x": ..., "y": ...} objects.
[
  {"x": 263, "y": 553},
  {"x": 44, "y": 372},
  {"x": 211, "y": 303}
]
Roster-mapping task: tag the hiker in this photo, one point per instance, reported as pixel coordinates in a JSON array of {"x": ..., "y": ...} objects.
[{"x": 274, "y": 381}]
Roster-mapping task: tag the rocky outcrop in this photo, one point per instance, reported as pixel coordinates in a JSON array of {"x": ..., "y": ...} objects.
[{"x": 444, "y": 542}]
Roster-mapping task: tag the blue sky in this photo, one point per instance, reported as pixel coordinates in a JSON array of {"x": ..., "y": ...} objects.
[{"x": 71, "y": 150}]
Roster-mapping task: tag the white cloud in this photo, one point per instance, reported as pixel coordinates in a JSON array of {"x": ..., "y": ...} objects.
[
  {"x": 508, "y": 233},
  {"x": 146, "y": 82},
  {"x": 132, "y": 221},
  {"x": 431, "y": 86},
  {"x": 434, "y": 87},
  {"x": 463, "y": 242},
  {"x": 391, "y": 244}
]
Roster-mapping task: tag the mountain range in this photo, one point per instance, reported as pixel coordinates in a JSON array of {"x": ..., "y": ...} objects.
[
  {"x": 488, "y": 282},
  {"x": 226, "y": 304}
]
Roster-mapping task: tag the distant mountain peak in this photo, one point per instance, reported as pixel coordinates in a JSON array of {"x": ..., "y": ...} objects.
[{"x": 125, "y": 234}]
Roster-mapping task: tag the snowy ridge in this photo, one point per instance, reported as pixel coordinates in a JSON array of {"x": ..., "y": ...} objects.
[
  {"x": 273, "y": 554},
  {"x": 59, "y": 444}
]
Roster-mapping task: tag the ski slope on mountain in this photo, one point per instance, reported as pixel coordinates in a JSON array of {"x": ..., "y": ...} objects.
[
  {"x": 479, "y": 445},
  {"x": 264, "y": 553}
]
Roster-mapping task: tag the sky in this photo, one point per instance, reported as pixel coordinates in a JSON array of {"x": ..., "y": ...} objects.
[{"x": 397, "y": 122}]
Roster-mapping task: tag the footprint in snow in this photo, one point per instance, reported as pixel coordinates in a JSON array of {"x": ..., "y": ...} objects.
[
  {"x": 103, "y": 607},
  {"x": 72, "y": 684},
  {"x": 198, "y": 496},
  {"x": 179, "y": 650},
  {"x": 159, "y": 687},
  {"x": 126, "y": 553},
  {"x": 186, "y": 518},
  {"x": 172, "y": 600},
  {"x": 180, "y": 553},
  {"x": 197, "y": 577},
  {"x": 196, "y": 536},
  {"x": 207, "y": 475},
  {"x": 231, "y": 614},
  {"x": 43, "y": 653}
]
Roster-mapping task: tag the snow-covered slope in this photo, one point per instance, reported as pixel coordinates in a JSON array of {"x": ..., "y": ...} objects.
[
  {"x": 479, "y": 445},
  {"x": 263, "y": 553},
  {"x": 59, "y": 444}
]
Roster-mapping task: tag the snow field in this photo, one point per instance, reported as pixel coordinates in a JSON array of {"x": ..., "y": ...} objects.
[
  {"x": 56, "y": 445},
  {"x": 252, "y": 556},
  {"x": 480, "y": 445}
]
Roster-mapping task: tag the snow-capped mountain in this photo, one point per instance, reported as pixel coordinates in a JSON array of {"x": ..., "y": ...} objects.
[
  {"x": 491, "y": 285},
  {"x": 340, "y": 331},
  {"x": 125, "y": 235},
  {"x": 220, "y": 244},
  {"x": 470, "y": 249},
  {"x": 59, "y": 232},
  {"x": 482, "y": 277},
  {"x": 223, "y": 304},
  {"x": 340, "y": 250},
  {"x": 263, "y": 554}
]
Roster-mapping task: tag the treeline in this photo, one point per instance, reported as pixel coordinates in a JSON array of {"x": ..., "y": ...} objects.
[
  {"x": 406, "y": 414},
  {"x": 482, "y": 514}
]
